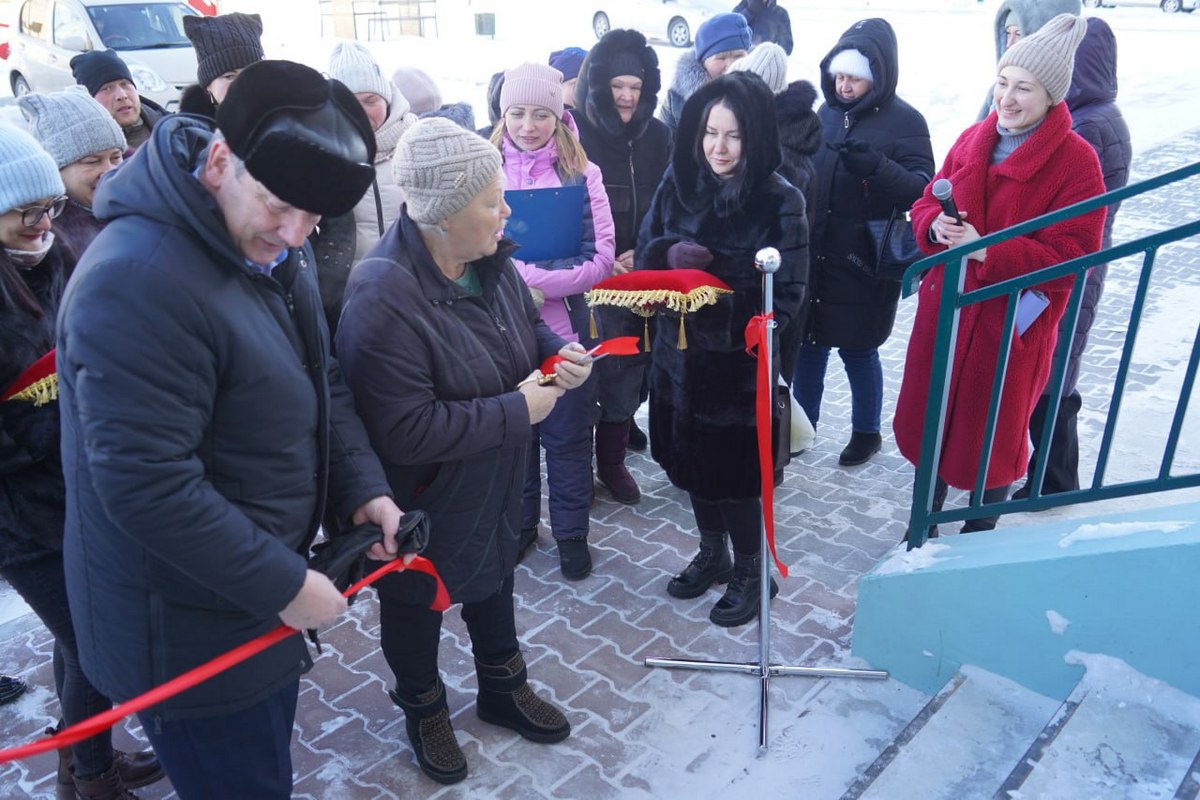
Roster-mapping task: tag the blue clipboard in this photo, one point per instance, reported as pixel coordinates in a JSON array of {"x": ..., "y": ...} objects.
[{"x": 546, "y": 223}]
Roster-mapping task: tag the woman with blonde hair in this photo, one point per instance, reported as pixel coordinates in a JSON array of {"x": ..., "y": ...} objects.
[{"x": 541, "y": 150}]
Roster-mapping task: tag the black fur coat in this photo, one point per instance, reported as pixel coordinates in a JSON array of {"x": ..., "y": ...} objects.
[{"x": 702, "y": 428}]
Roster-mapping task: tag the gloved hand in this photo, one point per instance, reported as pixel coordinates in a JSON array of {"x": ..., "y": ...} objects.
[
  {"x": 688, "y": 255},
  {"x": 861, "y": 158}
]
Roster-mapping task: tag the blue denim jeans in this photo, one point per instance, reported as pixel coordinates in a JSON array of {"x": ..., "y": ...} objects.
[
  {"x": 43, "y": 585},
  {"x": 863, "y": 371}
]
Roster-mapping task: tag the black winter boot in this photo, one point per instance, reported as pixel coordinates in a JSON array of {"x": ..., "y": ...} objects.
[
  {"x": 506, "y": 699},
  {"x": 103, "y": 787},
  {"x": 637, "y": 437},
  {"x": 427, "y": 721},
  {"x": 711, "y": 565},
  {"x": 611, "y": 438},
  {"x": 860, "y": 449},
  {"x": 740, "y": 603},
  {"x": 574, "y": 559}
]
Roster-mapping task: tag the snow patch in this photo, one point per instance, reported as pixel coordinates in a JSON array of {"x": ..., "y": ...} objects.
[
  {"x": 903, "y": 561},
  {"x": 927, "y": 654},
  {"x": 1115, "y": 530},
  {"x": 1058, "y": 623},
  {"x": 1113, "y": 679}
]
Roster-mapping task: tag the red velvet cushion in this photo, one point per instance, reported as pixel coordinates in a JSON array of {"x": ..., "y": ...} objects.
[{"x": 645, "y": 290}]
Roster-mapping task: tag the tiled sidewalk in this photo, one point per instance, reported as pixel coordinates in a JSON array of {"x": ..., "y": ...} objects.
[{"x": 640, "y": 732}]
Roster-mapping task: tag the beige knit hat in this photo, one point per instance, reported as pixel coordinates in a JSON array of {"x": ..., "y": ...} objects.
[
  {"x": 768, "y": 61},
  {"x": 1049, "y": 54},
  {"x": 441, "y": 167},
  {"x": 353, "y": 65}
]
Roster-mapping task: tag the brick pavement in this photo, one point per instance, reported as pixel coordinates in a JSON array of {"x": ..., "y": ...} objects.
[{"x": 640, "y": 732}]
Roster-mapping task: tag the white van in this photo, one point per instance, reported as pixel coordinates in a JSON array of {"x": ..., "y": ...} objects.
[{"x": 47, "y": 34}]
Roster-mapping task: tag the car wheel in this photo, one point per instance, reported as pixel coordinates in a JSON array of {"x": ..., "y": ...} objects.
[
  {"x": 678, "y": 32},
  {"x": 600, "y": 24},
  {"x": 20, "y": 86},
  {"x": 1091, "y": 3},
  {"x": 1170, "y": 6}
]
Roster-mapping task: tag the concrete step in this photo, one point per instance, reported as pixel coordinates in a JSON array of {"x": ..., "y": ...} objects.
[
  {"x": 1129, "y": 736},
  {"x": 980, "y": 729}
]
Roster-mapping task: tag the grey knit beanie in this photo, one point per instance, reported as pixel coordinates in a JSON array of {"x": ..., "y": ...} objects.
[
  {"x": 70, "y": 124},
  {"x": 768, "y": 61},
  {"x": 353, "y": 65},
  {"x": 441, "y": 167},
  {"x": 27, "y": 172},
  {"x": 1049, "y": 54}
]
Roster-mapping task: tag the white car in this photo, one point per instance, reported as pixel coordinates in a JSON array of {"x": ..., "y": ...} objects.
[
  {"x": 1169, "y": 6},
  {"x": 148, "y": 36},
  {"x": 657, "y": 19}
]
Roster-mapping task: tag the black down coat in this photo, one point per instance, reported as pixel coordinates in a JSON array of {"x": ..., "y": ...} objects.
[
  {"x": 1095, "y": 116},
  {"x": 205, "y": 426},
  {"x": 32, "y": 496},
  {"x": 434, "y": 371},
  {"x": 702, "y": 428},
  {"x": 769, "y": 22},
  {"x": 849, "y": 307}
]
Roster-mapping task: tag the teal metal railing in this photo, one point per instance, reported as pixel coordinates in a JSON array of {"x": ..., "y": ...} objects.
[{"x": 954, "y": 299}]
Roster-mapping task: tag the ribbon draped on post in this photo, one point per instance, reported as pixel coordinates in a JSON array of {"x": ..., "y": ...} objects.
[
  {"x": 757, "y": 331},
  {"x": 197, "y": 675}
]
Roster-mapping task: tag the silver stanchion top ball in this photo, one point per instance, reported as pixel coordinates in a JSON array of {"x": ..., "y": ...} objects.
[{"x": 767, "y": 260}]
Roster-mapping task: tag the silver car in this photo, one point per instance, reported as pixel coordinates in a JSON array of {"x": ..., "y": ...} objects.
[
  {"x": 148, "y": 36},
  {"x": 671, "y": 20}
]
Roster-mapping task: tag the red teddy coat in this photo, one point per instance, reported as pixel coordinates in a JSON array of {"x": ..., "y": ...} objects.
[{"x": 1052, "y": 169}]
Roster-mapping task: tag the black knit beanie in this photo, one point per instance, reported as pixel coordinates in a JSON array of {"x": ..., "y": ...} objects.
[
  {"x": 224, "y": 43},
  {"x": 95, "y": 68}
]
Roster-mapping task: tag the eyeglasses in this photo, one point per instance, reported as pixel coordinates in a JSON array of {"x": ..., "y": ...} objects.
[{"x": 30, "y": 217}]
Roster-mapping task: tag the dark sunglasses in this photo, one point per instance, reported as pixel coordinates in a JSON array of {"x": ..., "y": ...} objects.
[{"x": 32, "y": 216}]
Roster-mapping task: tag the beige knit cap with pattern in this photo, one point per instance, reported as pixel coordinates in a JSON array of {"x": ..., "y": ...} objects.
[
  {"x": 441, "y": 167},
  {"x": 1049, "y": 54}
]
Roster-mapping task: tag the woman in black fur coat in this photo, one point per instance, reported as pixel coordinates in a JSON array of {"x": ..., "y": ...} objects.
[{"x": 720, "y": 201}]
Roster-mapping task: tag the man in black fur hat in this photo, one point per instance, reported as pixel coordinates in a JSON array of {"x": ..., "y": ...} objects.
[{"x": 206, "y": 429}]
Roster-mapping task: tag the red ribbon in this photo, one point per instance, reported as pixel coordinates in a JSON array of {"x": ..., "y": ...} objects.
[
  {"x": 616, "y": 346},
  {"x": 197, "y": 675},
  {"x": 757, "y": 331}
]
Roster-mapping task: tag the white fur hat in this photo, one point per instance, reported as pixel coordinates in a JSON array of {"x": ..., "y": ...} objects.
[{"x": 853, "y": 63}]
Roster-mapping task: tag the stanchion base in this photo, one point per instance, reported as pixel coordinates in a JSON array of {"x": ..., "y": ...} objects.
[{"x": 771, "y": 669}]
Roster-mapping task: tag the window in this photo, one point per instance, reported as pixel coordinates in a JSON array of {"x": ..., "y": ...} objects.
[
  {"x": 69, "y": 24},
  {"x": 141, "y": 26},
  {"x": 33, "y": 18}
]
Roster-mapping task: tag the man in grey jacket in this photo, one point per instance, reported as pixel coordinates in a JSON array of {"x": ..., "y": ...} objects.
[{"x": 206, "y": 428}]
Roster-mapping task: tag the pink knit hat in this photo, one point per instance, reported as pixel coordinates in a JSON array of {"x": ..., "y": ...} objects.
[{"x": 532, "y": 85}]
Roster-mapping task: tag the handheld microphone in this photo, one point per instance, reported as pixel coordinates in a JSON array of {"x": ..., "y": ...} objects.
[{"x": 943, "y": 192}]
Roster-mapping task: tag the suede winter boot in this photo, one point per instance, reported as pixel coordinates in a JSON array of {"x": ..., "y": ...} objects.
[
  {"x": 741, "y": 601},
  {"x": 103, "y": 787},
  {"x": 506, "y": 699},
  {"x": 637, "y": 437},
  {"x": 711, "y": 565},
  {"x": 611, "y": 438},
  {"x": 136, "y": 769},
  {"x": 860, "y": 449},
  {"x": 427, "y": 721},
  {"x": 574, "y": 559}
]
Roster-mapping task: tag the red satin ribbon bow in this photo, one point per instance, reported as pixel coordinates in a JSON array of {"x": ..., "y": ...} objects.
[
  {"x": 197, "y": 675},
  {"x": 757, "y": 331}
]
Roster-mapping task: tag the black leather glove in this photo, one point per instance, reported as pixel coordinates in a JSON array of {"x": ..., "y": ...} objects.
[{"x": 861, "y": 158}]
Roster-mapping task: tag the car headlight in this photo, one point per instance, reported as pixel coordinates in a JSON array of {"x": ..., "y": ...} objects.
[{"x": 147, "y": 79}]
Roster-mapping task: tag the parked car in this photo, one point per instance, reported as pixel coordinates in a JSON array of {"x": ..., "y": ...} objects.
[
  {"x": 1169, "y": 6},
  {"x": 47, "y": 34},
  {"x": 671, "y": 20}
]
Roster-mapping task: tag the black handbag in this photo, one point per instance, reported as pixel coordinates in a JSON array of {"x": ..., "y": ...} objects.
[{"x": 894, "y": 245}]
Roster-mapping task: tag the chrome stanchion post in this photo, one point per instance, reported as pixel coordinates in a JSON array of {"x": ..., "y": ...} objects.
[{"x": 766, "y": 261}]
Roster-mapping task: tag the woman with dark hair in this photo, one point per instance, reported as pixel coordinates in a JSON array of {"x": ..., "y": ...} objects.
[
  {"x": 34, "y": 268},
  {"x": 720, "y": 201},
  {"x": 876, "y": 161},
  {"x": 615, "y": 100}
]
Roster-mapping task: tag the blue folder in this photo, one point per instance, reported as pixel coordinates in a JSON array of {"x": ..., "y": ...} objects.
[{"x": 547, "y": 223}]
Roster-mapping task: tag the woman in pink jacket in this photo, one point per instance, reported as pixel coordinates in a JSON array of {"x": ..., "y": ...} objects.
[
  {"x": 1020, "y": 162},
  {"x": 541, "y": 151}
]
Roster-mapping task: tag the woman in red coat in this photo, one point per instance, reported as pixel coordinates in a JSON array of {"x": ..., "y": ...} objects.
[{"x": 1020, "y": 162}]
